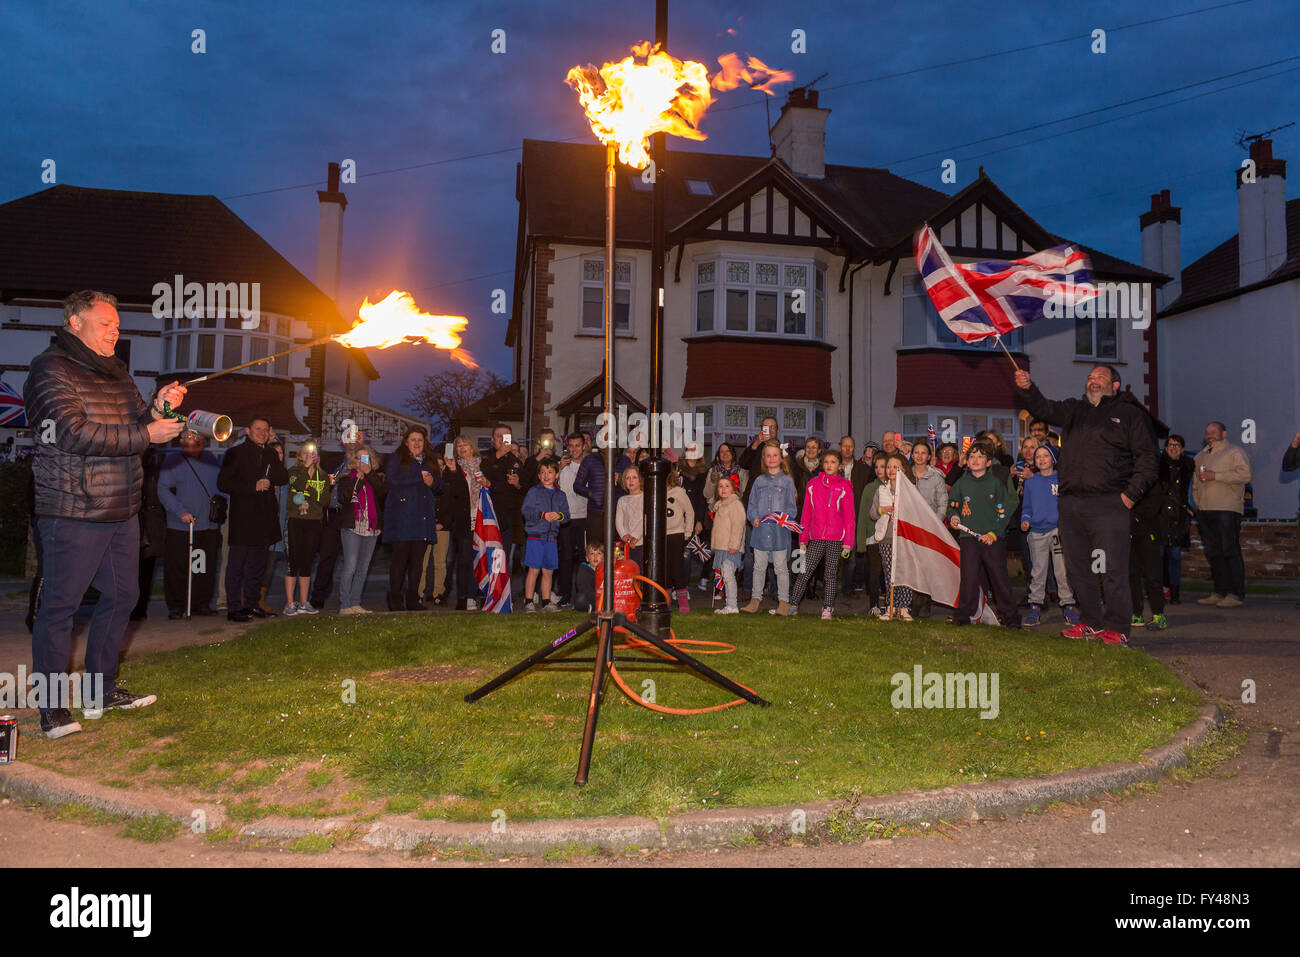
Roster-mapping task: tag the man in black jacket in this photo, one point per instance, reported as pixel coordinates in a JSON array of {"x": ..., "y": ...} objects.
[
  {"x": 91, "y": 426},
  {"x": 249, "y": 474},
  {"x": 1108, "y": 462}
]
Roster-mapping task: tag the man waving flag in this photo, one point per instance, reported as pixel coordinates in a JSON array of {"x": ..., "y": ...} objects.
[
  {"x": 992, "y": 298},
  {"x": 925, "y": 556}
]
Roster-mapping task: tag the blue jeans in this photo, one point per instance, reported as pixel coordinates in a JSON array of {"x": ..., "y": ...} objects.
[
  {"x": 77, "y": 555},
  {"x": 1172, "y": 555},
  {"x": 357, "y": 552}
]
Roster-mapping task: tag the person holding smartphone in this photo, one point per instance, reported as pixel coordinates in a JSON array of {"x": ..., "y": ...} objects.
[
  {"x": 409, "y": 520},
  {"x": 503, "y": 469},
  {"x": 359, "y": 493}
]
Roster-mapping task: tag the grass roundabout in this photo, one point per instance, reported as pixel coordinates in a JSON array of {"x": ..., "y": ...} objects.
[{"x": 364, "y": 716}]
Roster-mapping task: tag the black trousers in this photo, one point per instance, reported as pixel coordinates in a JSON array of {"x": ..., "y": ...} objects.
[
  {"x": 875, "y": 572},
  {"x": 245, "y": 570},
  {"x": 977, "y": 561},
  {"x": 404, "y": 574},
  {"x": 460, "y": 558},
  {"x": 1221, "y": 536},
  {"x": 595, "y": 525},
  {"x": 147, "y": 566},
  {"x": 1096, "y": 529},
  {"x": 675, "y": 565},
  {"x": 571, "y": 544},
  {"x": 1144, "y": 569},
  {"x": 331, "y": 547},
  {"x": 176, "y": 564}
]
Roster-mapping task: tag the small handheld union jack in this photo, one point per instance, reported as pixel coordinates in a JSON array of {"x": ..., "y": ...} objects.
[
  {"x": 782, "y": 520},
  {"x": 719, "y": 585},
  {"x": 929, "y": 431},
  {"x": 697, "y": 548}
]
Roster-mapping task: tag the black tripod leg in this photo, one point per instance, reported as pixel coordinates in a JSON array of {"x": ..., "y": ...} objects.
[
  {"x": 693, "y": 663},
  {"x": 537, "y": 657},
  {"x": 604, "y": 652}
]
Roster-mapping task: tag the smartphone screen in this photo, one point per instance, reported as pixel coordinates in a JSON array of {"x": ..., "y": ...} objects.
[
  {"x": 365, "y": 458},
  {"x": 449, "y": 451},
  {"x": 506, "y": 439}
]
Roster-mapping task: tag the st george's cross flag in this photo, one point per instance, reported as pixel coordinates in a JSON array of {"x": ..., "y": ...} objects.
[
  {"x": 490, "y": 558},
  {"x": 995, "y": 297},
  {"x": 925, "y": 556},
  {"x": 12, "y": 413}
]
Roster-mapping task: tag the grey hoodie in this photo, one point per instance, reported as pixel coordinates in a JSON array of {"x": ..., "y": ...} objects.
[{"x": 935, "y": 491}]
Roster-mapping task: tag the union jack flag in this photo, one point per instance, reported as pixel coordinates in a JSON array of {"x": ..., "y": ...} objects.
[
  {"x": 979, "y": 300},
  {"x": 12, "y": 413},
  {"x": 929, "y": 431},
  {"x": 697, "y": 548},
  {"x": 490, "y": 557},
  {"x": 782, "y": 520},
  {"x": 719, "y": 583}
]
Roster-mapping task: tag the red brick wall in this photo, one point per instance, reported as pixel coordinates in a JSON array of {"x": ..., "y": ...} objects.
[
  {"x": 958, "y": 380},
  {"x": 1271, "y": 550},
  {"x": 543, "y": 327},
  {"x": 753, "y": 369}
]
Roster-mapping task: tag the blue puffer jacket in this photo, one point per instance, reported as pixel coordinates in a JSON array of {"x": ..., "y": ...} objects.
[
  {"x": 768, "y": 495},
  {"x": 409, "y": 514},
  {"x": 538, "y": 501}
]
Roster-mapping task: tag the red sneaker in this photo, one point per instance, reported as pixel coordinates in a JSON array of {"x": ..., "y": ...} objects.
[
  {"x": 1113, "y": 638},
  {"x": 1080, "y": 631}
]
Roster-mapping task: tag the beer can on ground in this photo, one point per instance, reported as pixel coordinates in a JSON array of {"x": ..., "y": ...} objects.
[{"x": 8, "y": 739}]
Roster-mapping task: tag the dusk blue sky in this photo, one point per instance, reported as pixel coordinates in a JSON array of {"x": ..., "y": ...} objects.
[{"x": 113, "y": 93}]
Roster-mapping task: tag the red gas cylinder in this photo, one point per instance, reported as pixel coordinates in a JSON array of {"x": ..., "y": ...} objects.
[{"x": 627, "y": 595}]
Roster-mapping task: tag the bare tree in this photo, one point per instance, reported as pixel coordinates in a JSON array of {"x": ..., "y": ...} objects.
[{"x": 440, "y": 398}]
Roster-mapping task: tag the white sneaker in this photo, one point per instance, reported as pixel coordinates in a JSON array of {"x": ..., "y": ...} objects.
[
  {"x": 347, "y": 611},
  {"x": 878, "y": 612},
  {"x": 727, "y": 610},
  {"x": 471, "y": 605},
  {"x": 358, "y": 610},
  {"x": 904, "y": 615},
  {"x": 704, "y": 584},
  {"x": 291, "y": 609},
  {"x": 551, "y": 605},
  {"x": 885, "y": 615},
  {"x": 530, "y": 606},
  {"x": 305, "y": 608}
]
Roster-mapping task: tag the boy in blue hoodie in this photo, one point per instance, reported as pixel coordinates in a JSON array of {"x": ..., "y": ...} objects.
[
  {"x": 546, "y": 508},
  {"x": 1038, "y": 518}
]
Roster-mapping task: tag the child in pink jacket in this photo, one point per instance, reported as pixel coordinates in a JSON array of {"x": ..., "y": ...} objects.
[{"x": 829, "y": 526}]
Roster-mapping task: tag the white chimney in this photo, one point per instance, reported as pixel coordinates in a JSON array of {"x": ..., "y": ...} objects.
[
  {"x": 1162, "y": 245},
  {"x": 799, "y": 136},
  {"x": 1261, "y": 214},
  {"x": 329, "y": 241}
]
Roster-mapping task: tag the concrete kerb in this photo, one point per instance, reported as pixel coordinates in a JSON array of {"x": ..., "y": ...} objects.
[{"x": 690, "y": 830}]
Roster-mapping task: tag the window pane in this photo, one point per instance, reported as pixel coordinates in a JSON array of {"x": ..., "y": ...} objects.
[
  {"x": 1082, "y": 337},
  {"x": 706, "y": 414},
  {"x": 973, "y": 424},
  {"x": 1106, "y": 341},
  {"x": 914, "y": 424},
  {"x": 281, "y": 326},
  {"x": 1006, "y": 427},
  {"x": 766, "y": 274},
  {"x": 622, "y": 309},
  {"x": 622, "y": 272},
  {"x": 916, "y": 316},
  {"x": 281, "y": 366},
  {"x": 819, "y": 421},
  {"x": 796, "y": 418},
  {"x": 737, "y": 310},
  {"x": 737, "y": 416},
  {"x": 182, "y": 352},
  {"x": 184, "y": 322},
  {"x": 232, "y": 351},
  {"x": 765, "y": 310},
  {"x": 738, "y": 272},
  {"x": 796, "y": 275},
  {"x": 821, "y": 280},
  {"x": 257, "y": 350},
  {"x": 208, "y": 322},
  {"x": 207, "y": 355},
  {"x": 819, "y": 318},
  {"x": 704, "y": 273},
  {"x": 796, "y": 323},
  {"x": 592, "y": 307},
  {"x": 593, "y": 270},
  {"x": 762, "y": 412},
  {"x": 704, "y": 310}
]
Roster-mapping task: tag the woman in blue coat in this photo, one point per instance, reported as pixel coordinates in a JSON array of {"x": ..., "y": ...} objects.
[{"x": 410, "y": 525}]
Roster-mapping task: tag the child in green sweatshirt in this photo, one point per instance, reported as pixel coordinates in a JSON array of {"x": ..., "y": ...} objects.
[{"x": 980, "y": 508}]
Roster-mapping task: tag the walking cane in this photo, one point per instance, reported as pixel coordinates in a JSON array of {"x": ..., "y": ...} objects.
[{"x": 189, "y": 573}]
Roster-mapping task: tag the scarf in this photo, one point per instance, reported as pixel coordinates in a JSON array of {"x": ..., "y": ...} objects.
[
  {"x": 111, "y": 366},
  {"x": 473, "y": 469}
]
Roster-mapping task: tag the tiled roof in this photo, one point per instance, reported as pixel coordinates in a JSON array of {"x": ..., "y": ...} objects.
[
  {"x": 1216, "y": 274},
  {"x": 67, "y": 238}
]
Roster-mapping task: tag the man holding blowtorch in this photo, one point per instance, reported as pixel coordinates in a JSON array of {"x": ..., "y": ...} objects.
[{"x": 91, "y": 425}]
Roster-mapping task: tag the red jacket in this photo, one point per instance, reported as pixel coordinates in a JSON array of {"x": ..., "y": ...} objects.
[{"x": 828, "y": 510}]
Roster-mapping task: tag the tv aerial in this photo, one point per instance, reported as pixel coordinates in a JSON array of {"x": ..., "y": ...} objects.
[{"x": 1245, "y": 139}]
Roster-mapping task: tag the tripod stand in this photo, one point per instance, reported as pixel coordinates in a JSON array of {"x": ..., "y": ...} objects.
[{"x": 605, "y": 622}]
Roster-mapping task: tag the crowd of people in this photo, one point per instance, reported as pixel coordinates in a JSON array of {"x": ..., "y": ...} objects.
[{"x": 1097, "y": 515}]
